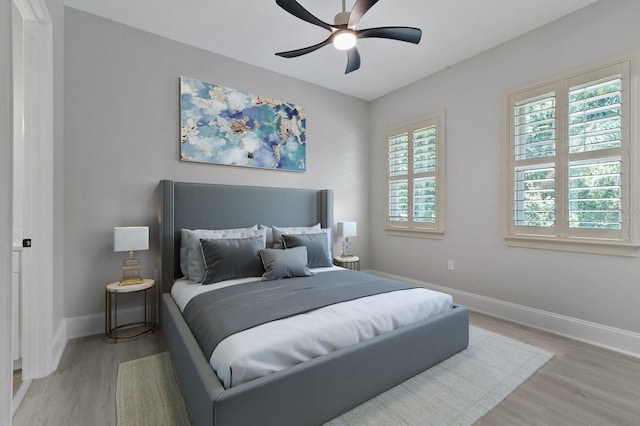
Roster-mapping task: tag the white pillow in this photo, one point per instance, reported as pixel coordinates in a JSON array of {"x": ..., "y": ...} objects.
[{"x": 269, "y": 235}]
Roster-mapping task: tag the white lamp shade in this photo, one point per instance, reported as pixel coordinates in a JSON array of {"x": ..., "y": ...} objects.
[
  {"x": 347, "y": 229},
  {"x": 128, "y": 238}
]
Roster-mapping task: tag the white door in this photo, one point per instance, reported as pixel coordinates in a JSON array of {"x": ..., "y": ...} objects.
[
  {"x": 18, "y": 169},
  {"x": 33, "y": 164}
]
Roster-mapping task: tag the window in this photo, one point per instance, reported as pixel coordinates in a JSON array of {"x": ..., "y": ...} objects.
[
  {"x": 415, "y": 178},
  {"x": 571, "y": 178}
]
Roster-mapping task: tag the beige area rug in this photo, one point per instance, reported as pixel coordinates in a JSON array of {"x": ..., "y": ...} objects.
[
  {"x": 148, "y": 393},
  {"x": 458, "y": 391}
]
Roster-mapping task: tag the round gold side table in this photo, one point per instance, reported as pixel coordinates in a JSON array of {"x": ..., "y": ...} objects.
[{"x": 112, "y": 329}]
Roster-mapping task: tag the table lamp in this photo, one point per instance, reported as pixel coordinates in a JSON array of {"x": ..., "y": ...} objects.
[
  {"x": 130, "y": 238},
  {"x": 346, "y": 230}
]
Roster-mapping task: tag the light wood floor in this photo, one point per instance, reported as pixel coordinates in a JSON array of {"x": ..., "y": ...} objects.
[
  {"x": 82, "y": 391},
  {"x": 581, "y": 385},
  {"x": 17, "y": 380}
]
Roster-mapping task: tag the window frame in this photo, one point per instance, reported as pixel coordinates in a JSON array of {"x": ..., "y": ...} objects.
[
  {"x": 434, "y": 230},
  {"x": 625, "y": 241}
]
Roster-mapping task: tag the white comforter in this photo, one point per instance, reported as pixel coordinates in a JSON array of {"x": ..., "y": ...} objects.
[{"x": 276, "y": 345}]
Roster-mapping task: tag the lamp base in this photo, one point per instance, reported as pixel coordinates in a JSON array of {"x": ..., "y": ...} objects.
[
  {"x": 346, "y": 248},
  {"x": 130, "y": 281},
  {"x": 131, "y": 270}
]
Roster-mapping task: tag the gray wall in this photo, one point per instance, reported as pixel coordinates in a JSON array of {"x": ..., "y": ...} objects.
[
  {"x": 121, "y": 138},
  {"x": 601, "y": 289}
]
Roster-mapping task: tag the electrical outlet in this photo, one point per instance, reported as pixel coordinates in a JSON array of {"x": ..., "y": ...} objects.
[{"x": 450, "y": 265}]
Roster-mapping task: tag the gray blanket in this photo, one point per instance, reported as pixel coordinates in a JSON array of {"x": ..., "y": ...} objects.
[{"x": 217, "y": 314}]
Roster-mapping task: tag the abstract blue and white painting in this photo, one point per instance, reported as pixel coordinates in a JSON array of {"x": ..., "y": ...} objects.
[{"x": 226, "y": 126}]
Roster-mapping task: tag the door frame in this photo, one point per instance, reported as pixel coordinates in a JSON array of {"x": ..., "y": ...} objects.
[
  {"x": 6, "y": 232},
  {"x": 37, "y": 261}
]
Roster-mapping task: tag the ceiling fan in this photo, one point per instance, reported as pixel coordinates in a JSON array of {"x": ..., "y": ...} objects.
[{"x": 343, "y": 31}]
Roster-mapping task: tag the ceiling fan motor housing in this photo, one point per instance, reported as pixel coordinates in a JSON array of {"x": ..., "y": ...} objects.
[{"x": 341, "y": 18}]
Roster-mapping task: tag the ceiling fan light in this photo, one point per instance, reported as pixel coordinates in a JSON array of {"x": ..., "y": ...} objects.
[{"x": 344, "y": 40}]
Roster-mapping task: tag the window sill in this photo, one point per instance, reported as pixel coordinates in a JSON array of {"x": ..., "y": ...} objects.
[
  {"x": 612, "y": 248},
  {"x": 426, "y": 233}
]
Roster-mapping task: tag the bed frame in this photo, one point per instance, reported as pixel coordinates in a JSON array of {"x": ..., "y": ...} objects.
[{"x": 309, "y": 393}]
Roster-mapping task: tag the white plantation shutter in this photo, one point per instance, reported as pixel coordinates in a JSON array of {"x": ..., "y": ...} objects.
[
  {"x": 535, "y": 127},
  {"x": 415, "y": 173},
  {"x": 424, "y": 146},
  {"x": 595, "y": 195},
  {"x": 424, "y": 200},
  {"x": 535, "y": 195},
  {"x": 595, "y": 149},
  {"x": 534, "y": 145},
  {"x": 398, "y": 183},
  {"x": 571, "y": 178}
]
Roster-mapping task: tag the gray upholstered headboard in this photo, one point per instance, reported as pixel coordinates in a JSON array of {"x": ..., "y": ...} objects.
[{"x": 211, "y": 206}]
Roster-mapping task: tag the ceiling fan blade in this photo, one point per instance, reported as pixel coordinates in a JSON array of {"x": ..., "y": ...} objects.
[
  {"x": 409, "y": 34},
  {"x": 294, "y": 8},
  {"x": 353, "y": 60},
  {"x": 304, "y": 50},
  {"x": 359, "y": 9}
]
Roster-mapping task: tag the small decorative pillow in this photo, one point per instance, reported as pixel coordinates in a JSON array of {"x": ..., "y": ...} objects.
[
  {"x": 278, "y": 232},
  {"x": 318, "y": 254},
  {"x": 288, "y": 263},
  {"x": 229, "y": 258}
]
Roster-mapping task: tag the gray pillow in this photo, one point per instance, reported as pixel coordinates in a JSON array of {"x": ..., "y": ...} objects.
[
  {"x": 288, "y": 263},
  {"x": 226, "y": 259},
  {"x": 279, "y": 231},
  {"x": 186, "y": 234},
  {"x": 195, "y": 262},
  {"x": 317, "y": 247}
]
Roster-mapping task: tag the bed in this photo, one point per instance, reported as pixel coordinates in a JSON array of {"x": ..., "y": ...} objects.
[{"x": 310, "y": 392}]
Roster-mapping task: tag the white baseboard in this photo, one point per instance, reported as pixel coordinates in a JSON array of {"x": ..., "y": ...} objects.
[
  {"x": 616, "y": 339},
  {"x": 88, "y": 325},
  {"x": 59, "y": 343},
  {"x": 19, "y": 396}
]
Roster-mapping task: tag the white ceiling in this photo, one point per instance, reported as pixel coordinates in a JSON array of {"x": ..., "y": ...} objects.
[{"x": 253, "y": 30}]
